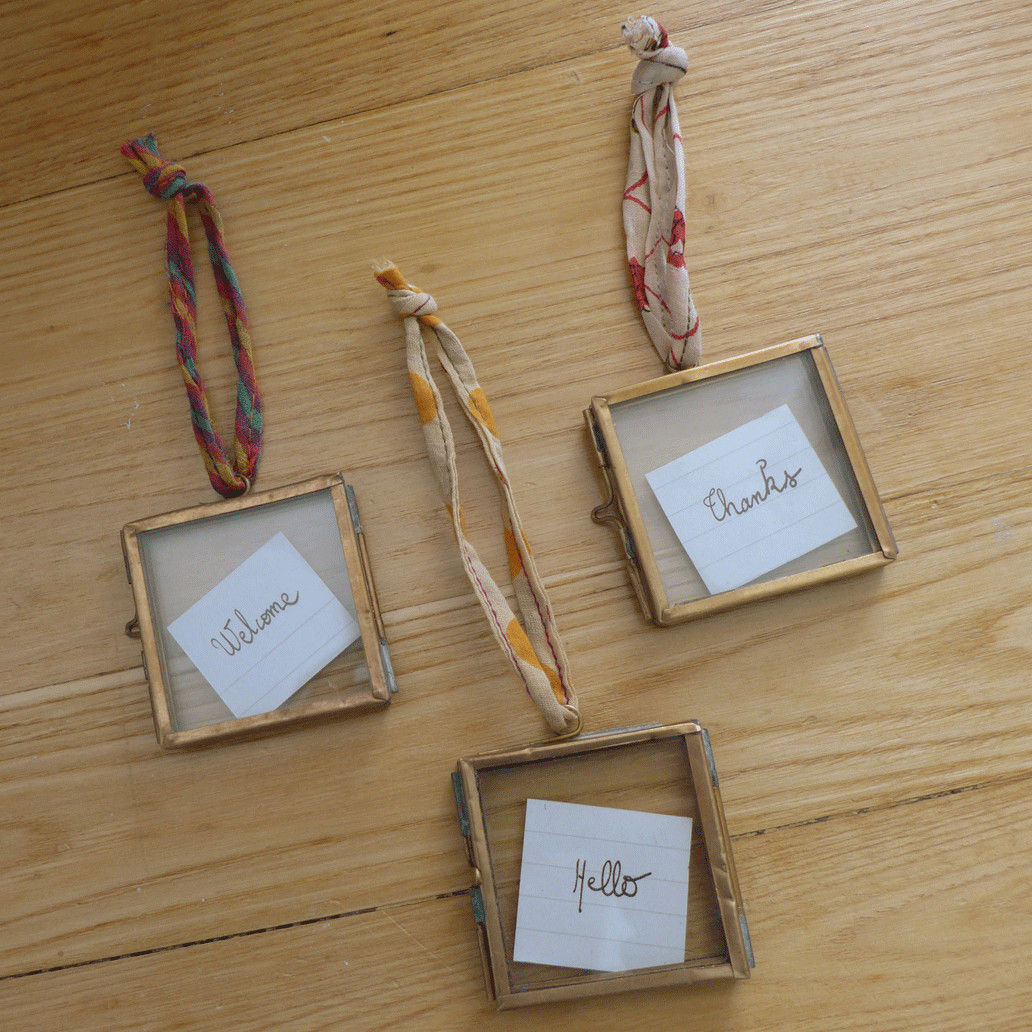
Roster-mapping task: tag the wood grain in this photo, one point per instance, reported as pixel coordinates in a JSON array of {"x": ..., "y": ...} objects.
[
  {"x": 107, "y": 837},
  {"x": 913, "y": 917},
  {"x": 216, "y": 76},
  {"x": 858, "y": 170},
  {"x": 332, "y": 367}
]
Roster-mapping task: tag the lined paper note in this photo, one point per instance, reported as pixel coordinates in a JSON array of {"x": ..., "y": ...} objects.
[
  {"x": 750, "y": 501},
  {"x": 265, "y": 630},
  {"x": 601, "y": 888}
]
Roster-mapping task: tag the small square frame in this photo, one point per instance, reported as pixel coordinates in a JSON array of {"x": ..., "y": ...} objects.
[
  {"x": 712, "y": 862},
  {"x": 622, "y": 509},
  {"x": 376, "y": 694}
]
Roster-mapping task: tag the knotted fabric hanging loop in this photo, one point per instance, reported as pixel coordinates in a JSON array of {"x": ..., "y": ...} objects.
[
  {"x": 531, "y": 644},
  {"x": 168, "y": 181},
  {"x": 654, "y": 199}
]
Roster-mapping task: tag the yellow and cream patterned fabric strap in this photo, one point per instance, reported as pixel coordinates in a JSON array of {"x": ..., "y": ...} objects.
[{"x": 532, "y": 644}]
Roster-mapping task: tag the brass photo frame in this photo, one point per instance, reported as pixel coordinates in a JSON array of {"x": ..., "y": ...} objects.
[
  {"x": 638, "y": 429},
  {"x": 176, "y": 558},
  {"x": 663, "y": 770}
]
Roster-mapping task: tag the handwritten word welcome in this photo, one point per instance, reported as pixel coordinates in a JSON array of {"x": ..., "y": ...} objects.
[
  {"x": 716, "y": 499},
  {"x": 611, "y": 881},
  {"x": 233, "y": 639}
]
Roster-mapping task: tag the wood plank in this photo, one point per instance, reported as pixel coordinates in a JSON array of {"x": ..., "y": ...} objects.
[
  {"x": 856, "y": 169},
  {"x": 89, "y": 449},
  {"x": 234, "y": 72},
  {"x": 818, "y": 704},
  {"x": 913, "y": 917}
]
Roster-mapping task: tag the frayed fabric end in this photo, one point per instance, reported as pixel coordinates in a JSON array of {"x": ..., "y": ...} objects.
[{"x": 643, "y": 34}]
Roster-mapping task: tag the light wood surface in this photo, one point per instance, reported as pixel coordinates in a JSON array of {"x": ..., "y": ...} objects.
[{"x": 859, "y": 170}]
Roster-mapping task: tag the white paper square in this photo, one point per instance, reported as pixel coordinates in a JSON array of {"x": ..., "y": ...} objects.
[
  {"x": 565, "y": 915},
  {"x": 265, "y": 630},
  {"x": 750, "y": 501}
]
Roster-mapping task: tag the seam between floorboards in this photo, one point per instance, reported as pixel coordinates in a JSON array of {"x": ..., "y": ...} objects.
[
  {"x": 892, "y": 804},
  {"x": 229, "y": 936},
  {"x": 455, "y": 893}
]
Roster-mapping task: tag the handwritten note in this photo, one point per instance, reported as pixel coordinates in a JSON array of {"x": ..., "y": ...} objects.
[
  {"x": 265, "y": 630},
  {"x": 601, "y": 888},
  {"x": 750, "y": 501}
]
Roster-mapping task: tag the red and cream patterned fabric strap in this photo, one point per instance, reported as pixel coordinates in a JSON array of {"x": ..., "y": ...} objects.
[
  {"x": 531, "y": 644},
  {"x": 653, "y": 202}
]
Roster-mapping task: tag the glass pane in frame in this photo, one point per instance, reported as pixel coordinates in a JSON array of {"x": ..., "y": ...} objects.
[
  {"x": 178, "y": 559},
  {"x": 649, "y": 771},
  {"x": 646, "y": 427},
  {"x": 658, "y": 428}
]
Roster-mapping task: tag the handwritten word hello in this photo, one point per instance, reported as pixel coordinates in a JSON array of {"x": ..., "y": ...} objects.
[
  {"x": 611, "y": 881},
  {"x": 233, "y": 639},
  {"x": 720, "y": 508}
]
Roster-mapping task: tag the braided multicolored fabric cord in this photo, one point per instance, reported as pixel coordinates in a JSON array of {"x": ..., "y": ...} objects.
[
  {"x": 168, "y": 181},
  {"x": 653, "y": 202},
  {"x": 532, "y": 646}
]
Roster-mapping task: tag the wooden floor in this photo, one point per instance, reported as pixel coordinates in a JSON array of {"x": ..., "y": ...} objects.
[{"x": 859, "y": 169}]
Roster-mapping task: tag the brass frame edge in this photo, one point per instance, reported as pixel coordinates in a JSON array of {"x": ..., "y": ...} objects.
[
  {"x": 643, "y": 567},
  {"x": 787, "y": 585},
  {"x": 480, "y": 853},
  {"x": 710, "y": 369},
  {"x": 367, "y": 615},
  {"x": 722, "y": 866},
  {"x": 715, "y": 834},
  {"x": 152, "y": 666},
  {"x": 855, "y": 451},
  {"x": 248, "y": 727}
]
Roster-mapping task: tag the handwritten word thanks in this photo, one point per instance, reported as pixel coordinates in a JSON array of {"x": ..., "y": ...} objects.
[
  {"x": 235, "y": 636},
  {"x": 720, "y": 508},
  {"x": 611, "y": 881}
]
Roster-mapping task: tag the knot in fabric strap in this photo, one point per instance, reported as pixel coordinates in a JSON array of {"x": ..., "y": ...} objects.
[
  {"x": 163, "y": 179},
  {"x": 168, "y": 181},
  {"x": 405, "y": 299},
  {"x": 660, "y": 61},
  {"x": 412, "y": 302}
]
